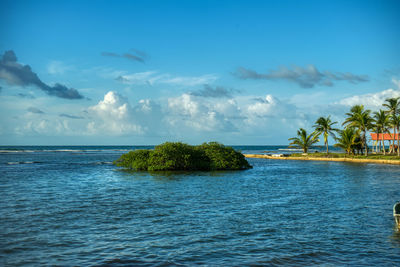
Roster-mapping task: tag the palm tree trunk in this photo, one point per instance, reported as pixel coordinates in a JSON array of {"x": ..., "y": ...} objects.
[
  {"x": 394, "y": 136},
  {"x": 383, "y": 142},
  {"x": 365, "y": 144},
  {"x": 380, "y": 143},
  {"x": 398, "y": 143},
  {"x": 394, "y": 141}
]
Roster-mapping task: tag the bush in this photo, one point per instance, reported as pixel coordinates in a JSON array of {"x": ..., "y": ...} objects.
[
  {"x": 137, "y": 160},
  {"x": 179, "y": 156},
  {"x": 224, "y": 158}
]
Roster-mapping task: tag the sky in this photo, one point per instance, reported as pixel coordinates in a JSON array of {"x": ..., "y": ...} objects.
[{"x": 146, "y": 72}]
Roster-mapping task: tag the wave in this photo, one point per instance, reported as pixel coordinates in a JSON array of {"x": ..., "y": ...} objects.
[
  {"x": 74, "y": 163},
  {"x": 22, "y": 162},
  {"x": 103, "y": 163},
  {"x": 83, "y": 150},
  {"x": 17, "y": 151},
  {"x": 65, "y": 150},
  {"x": 296, "y": 149}
]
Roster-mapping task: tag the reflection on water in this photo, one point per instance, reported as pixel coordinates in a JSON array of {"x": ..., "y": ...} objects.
[{"x": 395, "y": 238}]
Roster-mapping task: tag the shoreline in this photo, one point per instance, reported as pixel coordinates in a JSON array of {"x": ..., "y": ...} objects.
[{"x": 378, "y": 161}]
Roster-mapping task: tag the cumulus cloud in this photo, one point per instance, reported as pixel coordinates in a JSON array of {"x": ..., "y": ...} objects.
[
  {"x": 271, "y": 107},
  {"x": 264, "y": 107},
  {"x": 15, "y": 73},
  {"x": 190, "y": 112},
  {"x": 216, "y": 92},
  {"x": 185, "y": 117},
  {"x": 306, "y": 77},
  {"x": 136, "y": 55},
  {"x": 113, "y": 115},
  {"x": 154, "y": 77},
  {"x": 230, "y": 108},
  {"x": 35, "y": 110},
  {"x": 373, "y": 100},
  {"x": 44, "y": 127}
]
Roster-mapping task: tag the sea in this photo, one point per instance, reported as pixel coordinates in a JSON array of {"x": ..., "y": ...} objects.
[{"x": 70, "y": 206}]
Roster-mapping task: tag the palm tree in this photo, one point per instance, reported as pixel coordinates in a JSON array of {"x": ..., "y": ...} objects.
[
  {"x": 362, "y": 120},
  {"x": 347, "y": 139},
  {"x": 355, "y": 110},
  {"x": 381, "y": 126},
  {"x": 324, "y": 125},
  {"x": 303, "y": 140},
  {"x": 392, "y": 106}
]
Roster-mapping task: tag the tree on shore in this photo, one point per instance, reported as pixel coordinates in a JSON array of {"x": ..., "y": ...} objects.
[
  {"x": 347, "y": 139},
  {"x": 362, "y": 121},
  {"x": 381, "y": 126},
  {"x": 303, "y": 140},
  {"x": 324, "y": 126},
  {"x": 392, "y": 105},
  {"x": 395, "y": 122},
  {"x": 358, "y": 122}
]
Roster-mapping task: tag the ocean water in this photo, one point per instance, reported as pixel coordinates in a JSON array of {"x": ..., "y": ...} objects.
[{"x": 70, "y": 206}]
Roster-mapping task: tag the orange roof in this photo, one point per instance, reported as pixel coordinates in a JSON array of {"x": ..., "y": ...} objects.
[{"x": 386, "y": 136}]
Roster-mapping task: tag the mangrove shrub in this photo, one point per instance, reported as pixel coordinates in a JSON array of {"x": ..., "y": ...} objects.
[{"x": 171, "y": 156}]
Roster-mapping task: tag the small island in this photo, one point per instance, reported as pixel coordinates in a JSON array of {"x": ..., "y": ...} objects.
[{"x": 177, "y": 156}]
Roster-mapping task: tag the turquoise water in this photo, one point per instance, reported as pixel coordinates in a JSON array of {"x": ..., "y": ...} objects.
[{"x": 70, "y": 206}]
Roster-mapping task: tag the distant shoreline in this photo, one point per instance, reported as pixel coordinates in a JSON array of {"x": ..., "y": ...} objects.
[{"x": 378, "y": 161}]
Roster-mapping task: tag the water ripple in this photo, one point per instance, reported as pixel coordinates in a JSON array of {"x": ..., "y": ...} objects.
[{"x": 77, "y": 209}]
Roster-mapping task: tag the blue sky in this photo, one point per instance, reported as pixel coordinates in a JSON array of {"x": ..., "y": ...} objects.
[{"x": 145, "y": 72}]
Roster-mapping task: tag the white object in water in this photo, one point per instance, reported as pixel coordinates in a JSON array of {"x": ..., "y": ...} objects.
[{"x": 396, "y": 213}]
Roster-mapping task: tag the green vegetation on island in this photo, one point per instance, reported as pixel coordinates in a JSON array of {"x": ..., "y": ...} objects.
[
  {"x": 353, "y": 138},
  {"x": 177, "y": 156}
]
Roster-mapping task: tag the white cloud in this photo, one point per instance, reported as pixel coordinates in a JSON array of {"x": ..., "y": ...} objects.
[
  {"x": 154, "y": 77},
  {"x": 44, "y": 127},
  {"x": 190, "y": 81},
  {"x": 244, "y": 115},
  {"x": 372, "y": 101},
  {"x": 396, "y": 82},
  {"x": 113, "y": 105},
  {"x": 269, "y": 118},
  {"x": 57, "y": 67},
  {"x": 147, "y": 77},
  {"x": 229, "y": 108},
  {"x": 264, "y": 106},
  {"x": 272, "y": 107},
  {"x": 113, "y": 116},
  {"x": 196, "y": 113},
  {"x": 251, "y": 119}
]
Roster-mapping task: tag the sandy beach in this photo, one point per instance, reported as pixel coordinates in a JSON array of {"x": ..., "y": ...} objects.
[{"x": 377, "y": 161}]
